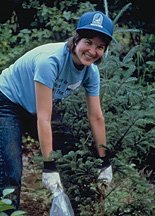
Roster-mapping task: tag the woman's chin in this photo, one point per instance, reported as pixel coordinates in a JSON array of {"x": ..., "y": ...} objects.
[{"x": 87, "y": 63}]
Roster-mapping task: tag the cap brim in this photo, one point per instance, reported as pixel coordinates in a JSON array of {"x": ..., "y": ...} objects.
[{"x": 95, "y": 28}]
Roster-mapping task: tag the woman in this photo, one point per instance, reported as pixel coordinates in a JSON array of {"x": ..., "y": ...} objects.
[{"x": 36, "y": 81}]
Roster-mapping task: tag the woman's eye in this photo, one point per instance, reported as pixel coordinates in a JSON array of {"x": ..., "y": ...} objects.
[
  {"x": 88, "y": 41},
  {"x": 101, "y": 47}
]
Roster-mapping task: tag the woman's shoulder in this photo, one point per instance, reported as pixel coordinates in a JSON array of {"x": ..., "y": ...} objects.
[
  {"x": 49, "y": 48},
  {"x": 56, "y": 51}
]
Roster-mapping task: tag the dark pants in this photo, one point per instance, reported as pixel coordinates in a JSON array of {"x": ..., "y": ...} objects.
[{"x": 12, "y": 119}]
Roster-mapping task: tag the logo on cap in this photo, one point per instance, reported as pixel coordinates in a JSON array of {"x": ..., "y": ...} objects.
[{"x": 97, "y": 20}]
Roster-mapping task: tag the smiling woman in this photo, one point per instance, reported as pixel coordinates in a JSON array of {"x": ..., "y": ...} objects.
[{"x": 52, "y": 72}]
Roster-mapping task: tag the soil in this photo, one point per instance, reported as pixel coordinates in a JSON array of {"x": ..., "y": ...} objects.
[{"x": 35, "y": 200}]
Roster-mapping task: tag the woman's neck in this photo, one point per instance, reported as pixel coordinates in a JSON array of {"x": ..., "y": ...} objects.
[{"x": 76, "y": 63}]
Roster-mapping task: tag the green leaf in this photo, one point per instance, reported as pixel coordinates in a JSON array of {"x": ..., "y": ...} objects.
[
  {"x": 7, "y": 201},
  {"x": 4, "y": 206},
  {"x": 8, "y": 191},
  {"x": 19, "y": 212}
]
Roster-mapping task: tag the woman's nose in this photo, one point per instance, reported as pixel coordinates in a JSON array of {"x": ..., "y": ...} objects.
[{"x": 93, "y": 50}]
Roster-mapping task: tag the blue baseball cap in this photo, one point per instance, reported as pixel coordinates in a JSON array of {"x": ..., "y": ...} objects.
[{"x": 96, "y": 21}]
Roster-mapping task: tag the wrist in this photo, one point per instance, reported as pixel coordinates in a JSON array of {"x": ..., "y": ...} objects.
[
  {"x": 100, "y": 150},
  {"x": 48, "y": 157}
]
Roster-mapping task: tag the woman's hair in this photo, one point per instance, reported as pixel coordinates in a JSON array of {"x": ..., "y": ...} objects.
[{"x": 72, "y": 41}]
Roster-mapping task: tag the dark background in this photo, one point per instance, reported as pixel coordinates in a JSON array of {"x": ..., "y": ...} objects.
[{"x": 140, "y": 14}]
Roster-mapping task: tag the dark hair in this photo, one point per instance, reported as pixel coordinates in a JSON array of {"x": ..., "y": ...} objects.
[{"x": 72, "y": 41}]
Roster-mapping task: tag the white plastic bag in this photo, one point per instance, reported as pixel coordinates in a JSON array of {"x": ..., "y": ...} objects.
[{"x": 61, "y": 205}]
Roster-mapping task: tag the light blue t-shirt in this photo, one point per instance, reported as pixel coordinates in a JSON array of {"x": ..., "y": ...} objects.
[{"x": 50, "y": 64}]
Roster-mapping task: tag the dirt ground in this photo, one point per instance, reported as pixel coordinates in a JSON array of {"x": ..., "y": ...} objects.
[
  {"x": 35, "y": 200},
  {"x": 33, "y": 207}
]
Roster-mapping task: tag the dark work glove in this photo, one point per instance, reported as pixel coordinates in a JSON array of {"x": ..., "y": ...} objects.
[{"x": 50, "y": 177}]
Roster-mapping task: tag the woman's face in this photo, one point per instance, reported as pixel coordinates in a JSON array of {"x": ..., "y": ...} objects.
[{"x": 88, "y": 51}]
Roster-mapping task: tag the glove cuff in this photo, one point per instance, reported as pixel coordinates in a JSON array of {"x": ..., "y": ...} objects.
[
  {"x": 105, "y": 162},
  {"x": 49, "y": 166}
]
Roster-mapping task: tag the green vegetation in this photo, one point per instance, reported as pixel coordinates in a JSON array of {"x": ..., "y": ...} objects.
[{"x": 6, "y": 203}]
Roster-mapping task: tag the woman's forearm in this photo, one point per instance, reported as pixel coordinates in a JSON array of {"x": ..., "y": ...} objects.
[
  {"x": 45, "y": 138},
  {"x": 99, "y": 134}
]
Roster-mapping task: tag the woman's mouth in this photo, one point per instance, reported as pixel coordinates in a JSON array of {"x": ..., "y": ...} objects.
[{"x": 89, "y": 57}]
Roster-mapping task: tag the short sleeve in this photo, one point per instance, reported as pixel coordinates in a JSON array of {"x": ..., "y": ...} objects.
[{"x": 45, "y": 70}]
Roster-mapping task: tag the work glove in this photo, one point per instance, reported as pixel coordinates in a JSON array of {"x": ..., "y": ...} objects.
[
  {"x": 105, "y": 175},
  {"x": 50, "y": 177},
  {"x": 105, "y": 172}
]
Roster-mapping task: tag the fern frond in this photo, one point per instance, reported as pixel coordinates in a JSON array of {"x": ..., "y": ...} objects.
[
  {"x": 125, "y": 8},
  {"x": 130, "y": 54}
]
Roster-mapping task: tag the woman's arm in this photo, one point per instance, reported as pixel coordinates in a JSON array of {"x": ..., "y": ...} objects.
[
  {"x": 44, "y": 114},
  {"x": 50, "y": 176},
  {"x": 97, "y": 123}
]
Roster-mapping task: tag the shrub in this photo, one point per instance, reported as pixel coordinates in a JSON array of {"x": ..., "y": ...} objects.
[{"x": 6, "y": 204}]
